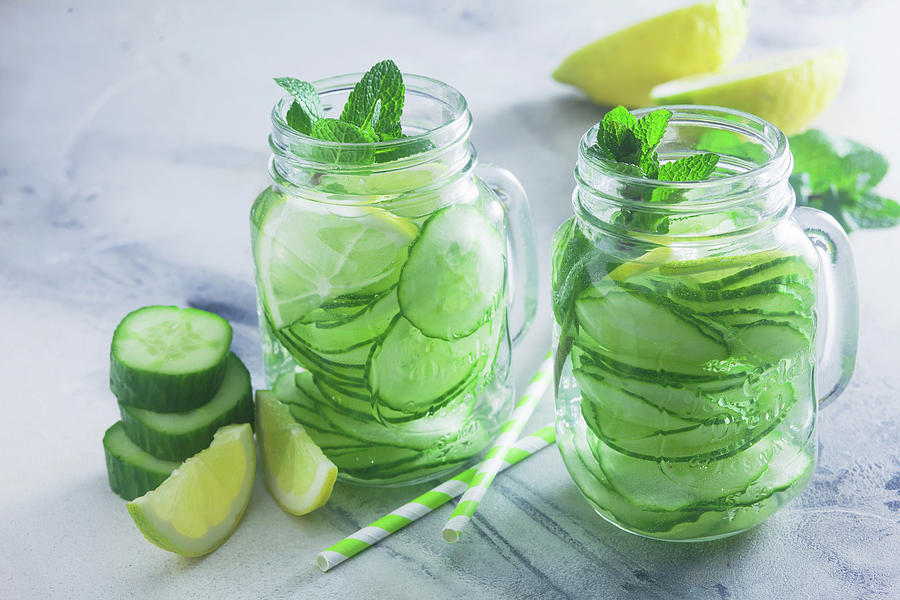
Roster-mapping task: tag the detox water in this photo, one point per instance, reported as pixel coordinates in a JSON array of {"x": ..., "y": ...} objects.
[{"x": 685, "y": 400}]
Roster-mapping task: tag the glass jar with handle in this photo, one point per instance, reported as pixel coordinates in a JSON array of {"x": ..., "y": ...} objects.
[
  {"x": 699, "y": 327},
  {"x": 384, "y": 287}
]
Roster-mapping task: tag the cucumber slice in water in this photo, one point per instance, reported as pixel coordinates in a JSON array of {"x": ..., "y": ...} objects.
[
  {"x": 168, "y": 359},
  {"x": 178, "y": 436},
  {"x": 410, "y": 372},
  {"x": 455, "y": 273},
  {"x": 701, "y": 441},
  {"x": 132, "y": 472},
  {"x": 344, "y": 336},
  {"x": 615, "y": 404},
  {"x": 665, "y": 486},
  {"x": 654, "y": 335}
]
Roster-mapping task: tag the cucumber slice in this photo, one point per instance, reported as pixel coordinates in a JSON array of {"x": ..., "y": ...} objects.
[
  {"x": 795, "y": 283},
  {"x": 412, "y": 373},
  {"x": 714, "y": 401},
  {"x": 700, "y": 441},
  {"x": 178, "y": 436},
  {"x": 647, "y": 328},
  {"x": 455, "y": 274},
  {"x": 132, "y": 472},
  {"x": 664, "y": 486},
  {"x": 419, "y": 434},
  {"x": 779, "y": 299},
  {"x": 768, "y": 341},
  {"x": 734, "y": 274},
  {"x": 615, "y": 404},
  {"x": 343, "y": 336},
  {"x": 337, "y": 311},
  {"x": 583, "y": 354},
  {"x": 168, "y": 359},
  {"x": 789, "y": 465}
]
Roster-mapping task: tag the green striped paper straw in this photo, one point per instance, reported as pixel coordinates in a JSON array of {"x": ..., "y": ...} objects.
[
  {"x": 496, "y": 456},
  {"x": 424, "y": 504}
]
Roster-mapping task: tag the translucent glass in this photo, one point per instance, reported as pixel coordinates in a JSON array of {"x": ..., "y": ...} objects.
[
  {"x": 689, "y": 331},
  {"x": 384, "y": 288}
]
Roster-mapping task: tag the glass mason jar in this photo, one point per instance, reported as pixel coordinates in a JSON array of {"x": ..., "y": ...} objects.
[
  {"x": 691, "y": 333},
  {"x": 383, "y": 287}
]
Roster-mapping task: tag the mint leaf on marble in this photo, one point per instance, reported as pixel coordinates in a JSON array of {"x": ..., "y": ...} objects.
[
  {"x": 837, "y": 175},
  {"x": 376, "y": 102},
  {"x": 306, "y": 108}
]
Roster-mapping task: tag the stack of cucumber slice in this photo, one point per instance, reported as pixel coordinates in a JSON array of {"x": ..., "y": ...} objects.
[
  {"x": 177, "y": 384},
  {"x": 395, "y": 324},
  {"x": 695, "y": 379}
]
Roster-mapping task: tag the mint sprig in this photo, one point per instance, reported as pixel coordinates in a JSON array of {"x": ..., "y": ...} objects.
[
  {"x": 629, "y": 146},
  {"x": 335, "y": 130},
  {"x": 696, "y": 167},
  {"x": 371, "y": 114},
  {"x": 837, "y": 175},
  {"x": 306, "y": 107},
  {"x": 376, "y": 102}
]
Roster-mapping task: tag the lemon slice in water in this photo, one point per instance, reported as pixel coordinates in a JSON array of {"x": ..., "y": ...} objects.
[{"x": 309, "y": 254}]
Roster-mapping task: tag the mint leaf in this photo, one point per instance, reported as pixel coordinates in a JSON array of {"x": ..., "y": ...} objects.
[
  {"x": 649, "y": 165},
  {"x": 622, "y": 116},
  {"x": 619, "y": 143},
  {"x": 298, "y": 120},
  {"x": 871, "y": 210},
  {"x": 690, "y": 168},
  {"x": 333, "y": 130},
  {"x": 623, "y": 138},
  {"x": 398, "y": 152},
  {"x": 306, "y": 107},
  {"x": 651, "y": 128},
  {"x": 376, "y": 102},
  {"x": 616, "y": 139},
  {"x": 729, "y": 143},
  {"x": 836, "y": 174},
  {"x": 832, "y": 160}
]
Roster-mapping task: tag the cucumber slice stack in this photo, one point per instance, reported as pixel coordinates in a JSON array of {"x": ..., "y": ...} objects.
[
  {"x": 396, "y": 326},
  {"x": 695, "y": 384},
  {"x": 177, "y": 384}
]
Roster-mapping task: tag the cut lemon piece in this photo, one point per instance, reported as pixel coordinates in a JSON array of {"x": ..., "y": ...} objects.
[
  {"x": 198, "y": 507},
  {"x": 308, "y": 254},
  {"x": 299, "y": 476},
  {"x": 644, "y": 264},
  {"x": 622, "y": 68},
  {"x": 788, "y": 90}
]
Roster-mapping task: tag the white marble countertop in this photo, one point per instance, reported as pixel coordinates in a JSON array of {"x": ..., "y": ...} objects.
[{"x": 132, "y": 143}]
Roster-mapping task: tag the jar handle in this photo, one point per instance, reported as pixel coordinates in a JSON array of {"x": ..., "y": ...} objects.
[
  {"x": 837, "y": 343},
  {"x": 520, "y": 244}
]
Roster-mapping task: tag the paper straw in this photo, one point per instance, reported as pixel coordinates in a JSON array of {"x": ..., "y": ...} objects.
[
  {"x": 495, "y": 458},
  {"x": 424, "y": 504}
]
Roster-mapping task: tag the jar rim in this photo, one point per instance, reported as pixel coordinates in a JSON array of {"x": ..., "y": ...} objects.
[
  {"x": 776, "y": 167},
  {"x": 451, "y": 129}
]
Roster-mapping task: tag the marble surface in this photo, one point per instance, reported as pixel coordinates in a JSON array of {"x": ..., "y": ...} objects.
[{"x": 132, "y": 142}]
